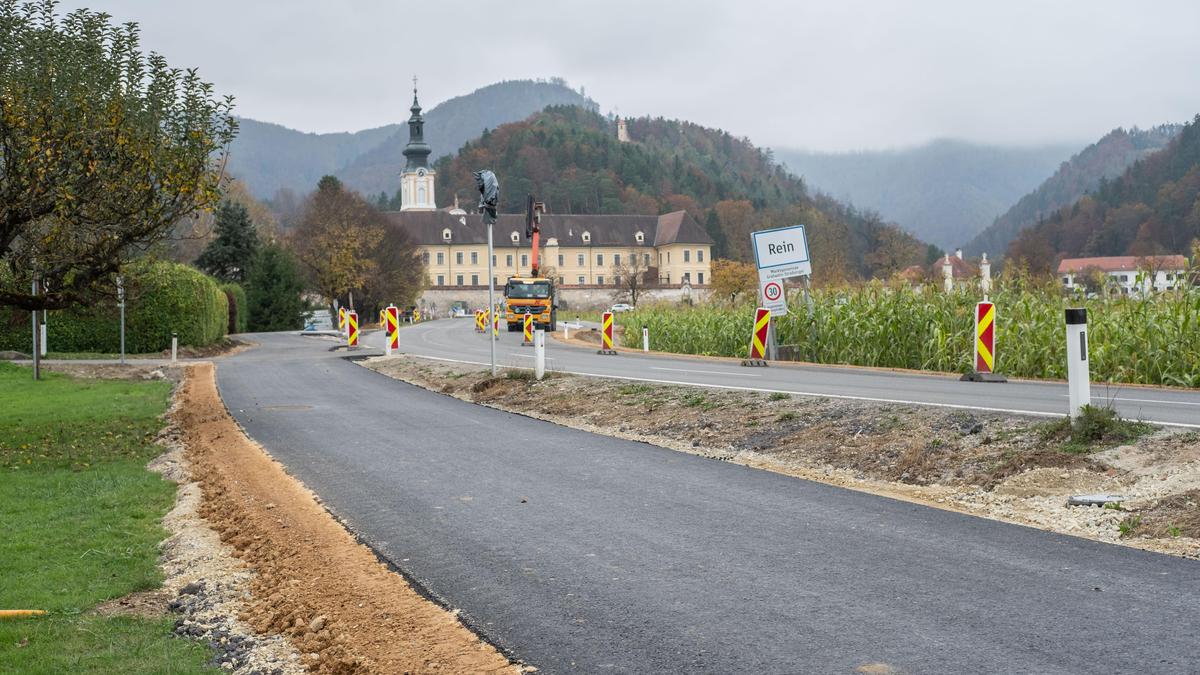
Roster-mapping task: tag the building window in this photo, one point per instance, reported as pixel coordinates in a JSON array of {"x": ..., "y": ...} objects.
[
  {"x": 458, "y": 258},
  {"x": 600, "y": 280},
  {"x": 668, "y": 257},
  {"x": 474, "y": 258},
  {"x": 560, "y": 260},
  {"x": 646, "y": 259},
  {"x": 699, "y": 255},
  {"x": 587, "y": 237},
  {"x": 700, "y": 278},
  {"x": 524, "y": 260},
  {"x": 639, "y": 237},
  {"x": 446, "y": 234},
  {"x": 687, "y": 255},
  {"x": 493, "y": 261},
  {"x": 687, "y": 277},
  {"x": 508, "y": 260},
  {"x": 474, "y": 279},
  {"x": 460, "y": 283},
  {"x": 1066, "y": 281},
  {"x": 599, "y": 258},
  {"x": 617, "y": 259},
  {"x": 515, "y": 237},
  {"x": 581, "y": 281},
  {"x": 441, "y": 259},
  {"x": 617, "y": 280},
  {"x": 441, "y": 280},
  {"x": 581, "y": 260},
  {"x": 561, "y": 281},
  {"x": 425, "y": 257},
  {"x": 421, "y": 195}
]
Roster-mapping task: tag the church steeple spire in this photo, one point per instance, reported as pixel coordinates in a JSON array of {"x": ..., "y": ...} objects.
[
  {"x": 417, "y": 179},
  {"x": 417, "y": 151}
]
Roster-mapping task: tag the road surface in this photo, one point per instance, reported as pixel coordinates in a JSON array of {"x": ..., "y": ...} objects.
[
  {"x": 576, "y": 552},
  {"x": 456, "y": 339}
]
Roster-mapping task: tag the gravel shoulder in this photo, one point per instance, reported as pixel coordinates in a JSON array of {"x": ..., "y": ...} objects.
[
  {"x": 294, "y": 572},
  {"x": 998, "y": 466}
]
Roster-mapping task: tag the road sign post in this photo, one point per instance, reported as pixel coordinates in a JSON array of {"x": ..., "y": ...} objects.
[
  {"x": 759, "y": 338},
  {"x": 352, "y": 329},
  {"x": 606, "y": 335},
  {"x": 779, "y": 254},
  {"x": 985, "y": 346}
]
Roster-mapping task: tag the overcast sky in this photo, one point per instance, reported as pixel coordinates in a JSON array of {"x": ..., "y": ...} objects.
[{"x": 836, "y": 75}]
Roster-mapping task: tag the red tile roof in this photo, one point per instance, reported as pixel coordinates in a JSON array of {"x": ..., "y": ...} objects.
[{"x": 1122, "y": 263}]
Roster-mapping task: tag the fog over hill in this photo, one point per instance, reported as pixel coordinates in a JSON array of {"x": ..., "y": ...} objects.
[
  {"x": 945, "y": 191},
  {"x": 268, "y": 157}
]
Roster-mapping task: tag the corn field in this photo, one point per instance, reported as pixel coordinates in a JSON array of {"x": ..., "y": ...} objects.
[{"x": 1152, "y": 340}]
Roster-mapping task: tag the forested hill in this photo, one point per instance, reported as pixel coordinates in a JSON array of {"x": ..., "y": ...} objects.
[
  {"x": 944, "y": 192},
  {"x": 1105, "y": 159},
  {"x": 1153, "y": 208},
  {"x": 570, "y": 158},
  {"x": 269, "y": 157}
]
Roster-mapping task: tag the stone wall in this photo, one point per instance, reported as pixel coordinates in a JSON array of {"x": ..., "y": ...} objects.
[{"x": 571, "y": 298}]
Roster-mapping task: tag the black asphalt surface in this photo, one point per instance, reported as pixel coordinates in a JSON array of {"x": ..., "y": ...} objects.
[
  {"x": 456, "y": 340},
  {"x": 582, "y": 553}
]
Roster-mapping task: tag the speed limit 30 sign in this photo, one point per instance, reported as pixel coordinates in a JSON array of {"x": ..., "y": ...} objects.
[{"x": 771, "y": 291}]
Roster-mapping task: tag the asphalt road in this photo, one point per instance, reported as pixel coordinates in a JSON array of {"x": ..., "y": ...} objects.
[
  {"x": 456, "y": 339},
  {"x": 582, "y": 553}
]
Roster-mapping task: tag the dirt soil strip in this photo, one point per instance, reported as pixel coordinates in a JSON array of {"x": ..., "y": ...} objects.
[
  {"x": 993, "y": 465},
  {"x": 329, "y": 595}
]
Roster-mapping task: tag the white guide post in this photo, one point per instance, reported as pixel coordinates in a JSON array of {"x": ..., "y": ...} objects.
[
  {"x": 645, "y": 338},
  {"x": 1078, "y": 385},
  {"x": 42, "y": 346},
  {"x": 539, "y": 353},
  {"x": 174, "y": 347}
]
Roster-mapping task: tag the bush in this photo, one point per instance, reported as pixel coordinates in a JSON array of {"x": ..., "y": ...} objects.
[
  {"x": 239, "y": 309},
  {"x": 161, "y": 297}
]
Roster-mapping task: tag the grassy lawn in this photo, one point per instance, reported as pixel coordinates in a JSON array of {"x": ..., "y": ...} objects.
[{"x": 80, "y": 516}]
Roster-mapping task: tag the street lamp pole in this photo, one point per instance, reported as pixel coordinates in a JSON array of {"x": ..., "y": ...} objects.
[
  {"x": 121, "y": 304},
  {"x": 489, "y": 201}
]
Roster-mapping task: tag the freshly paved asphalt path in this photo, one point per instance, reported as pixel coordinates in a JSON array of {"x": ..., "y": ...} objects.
[
  {"x": 576, "y": 552},
  {"x": 457, "y": 340}
]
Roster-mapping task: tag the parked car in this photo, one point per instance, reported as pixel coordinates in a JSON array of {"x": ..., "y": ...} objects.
[{"x": 622, "y": 307}]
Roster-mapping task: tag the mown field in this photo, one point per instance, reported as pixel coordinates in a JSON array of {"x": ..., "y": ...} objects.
[
  {"x": 1154, "y": 340},
  {"x": 80, "y": 514}
]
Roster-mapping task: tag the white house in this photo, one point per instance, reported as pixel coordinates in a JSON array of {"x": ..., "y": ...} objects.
[{"x": 1129, "y": 274}]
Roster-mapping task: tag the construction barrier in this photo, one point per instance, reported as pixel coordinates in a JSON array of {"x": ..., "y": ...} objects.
[
  {"x": 528, "y": 331},
  {"x": 383, "y": 319},
  {"x": 341, "y": 318},
  {"x": 985, "y": 345},
  {"x": 606, "y": 334},
  {"x": 416, "y": 315},
  {"x": 391, "y": 320},
  {"x": 758, "y": 339},
  {"x": 352, "y": 328},
  {"x": 495, "y": 325},
  {"x": 480, "y": 321}
]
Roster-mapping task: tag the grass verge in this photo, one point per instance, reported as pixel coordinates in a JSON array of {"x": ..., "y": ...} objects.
[
  {"x": 1096, "y": 428},
  {"x": 81, "y": 516}
]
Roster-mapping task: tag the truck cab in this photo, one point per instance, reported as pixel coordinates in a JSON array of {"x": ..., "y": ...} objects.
[{"x": 530, "y": 295}]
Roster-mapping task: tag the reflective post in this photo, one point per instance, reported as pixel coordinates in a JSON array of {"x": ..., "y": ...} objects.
[
  {"x": 645, "y": 338},
  {"x": 539, "y": 353},
  {"x": 1078, "y": 385},
  {"x": 37, "y": 350},
  {"x": 121, "y": 304},
  {"x": 174, "y": 346}
]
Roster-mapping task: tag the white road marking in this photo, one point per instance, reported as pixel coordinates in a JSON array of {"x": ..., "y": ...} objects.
[
  {"x": 1142, "y": 400},
  {"x": 844, "y": 397},
  {"x": 707, "y": 372}
]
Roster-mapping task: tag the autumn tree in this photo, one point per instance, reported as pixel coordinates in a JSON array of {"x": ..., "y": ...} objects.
[
  {"x": 731, "y": 279},
  {"x": 104, "y": 150},
  {"x": 337, "y": 234},
  {"x": 189, "y": 237},
  {"x": 629, "y": 275},
  {"x": 397, "y": 275}
]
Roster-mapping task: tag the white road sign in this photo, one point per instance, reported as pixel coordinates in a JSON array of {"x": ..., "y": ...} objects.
[
  {"x": 771, "y": 293},
  {"x": 781, "y": 253}
]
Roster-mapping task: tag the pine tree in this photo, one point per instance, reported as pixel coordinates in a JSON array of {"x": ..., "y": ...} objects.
[
  {"x": 274, "y": 291},
  {"x": 230, "y": 256}
]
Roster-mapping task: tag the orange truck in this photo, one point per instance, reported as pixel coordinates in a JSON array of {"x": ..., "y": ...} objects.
[{"x": 532, "y": 293}]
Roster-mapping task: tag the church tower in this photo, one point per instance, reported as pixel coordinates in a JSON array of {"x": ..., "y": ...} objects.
[{"x": 416, "y": 181}]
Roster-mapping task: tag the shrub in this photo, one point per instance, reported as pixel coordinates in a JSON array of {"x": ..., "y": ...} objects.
[
  {"x": 239, "y": 308},
  {"x": 162, "y": 297}
]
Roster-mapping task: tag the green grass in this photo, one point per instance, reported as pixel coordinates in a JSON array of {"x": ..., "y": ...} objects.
[
  {"x": 81, "y": 525},
  {"x": 1095, "y": 428}
]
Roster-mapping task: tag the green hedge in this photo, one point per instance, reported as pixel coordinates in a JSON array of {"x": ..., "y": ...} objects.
[
  {"x": 161, "y": 297},
  {"x": 239, "y": 309}
]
